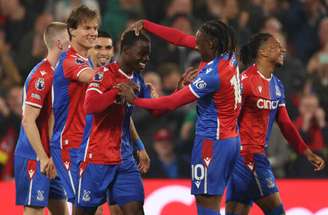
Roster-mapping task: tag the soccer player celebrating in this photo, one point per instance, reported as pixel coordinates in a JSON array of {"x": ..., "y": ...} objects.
[
  {"x": 36, "y": 185},
  {"x": 217, "y": 91},
  {"x": 102, "y": 55},
  {"x": 71, "y": 78},
  {"x": 263, "y": 102}
]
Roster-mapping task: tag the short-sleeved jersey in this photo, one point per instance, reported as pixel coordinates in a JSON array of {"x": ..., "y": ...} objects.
[
  {"x": 37, "y": 93},
  {"x": 109, "y": 139},
  {"x": 261, "y": 98},
  {"x": 217, "y": 88},
  {"x": 68, "y": 100}
]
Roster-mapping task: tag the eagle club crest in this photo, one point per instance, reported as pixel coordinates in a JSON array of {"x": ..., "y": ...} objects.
[
  {"x": 39, "y": 84},
  {"x": 99, "y": 76}
]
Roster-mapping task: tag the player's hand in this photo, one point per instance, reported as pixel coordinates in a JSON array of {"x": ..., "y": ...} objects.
[
  {"x": 153, "y": 91},
  {"x": 136, "y": 27},
  {"x": 144, "y": 161},
  {"x": 316, "y": 161},
  {"x": 126, "y": 92},
  {"x": 51, "y": 173},
  {"x": 187, "y": 77},
  {"x": 44, "y": 162}
]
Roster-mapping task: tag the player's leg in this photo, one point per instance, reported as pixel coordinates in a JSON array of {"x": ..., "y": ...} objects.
[
  {"x": 32, "y": 187},
  {"x": 127, "y": 189},
  {"x": 240, "y": 189},
  {"x": 93, "y": 182},
  {"x": 268, "y": 200},
  {"x": 115, "y": 210},
  {"x": 57, "y": 203},
  {"x": 212, "y": 163},
  {"x": 271, "y": 205}
]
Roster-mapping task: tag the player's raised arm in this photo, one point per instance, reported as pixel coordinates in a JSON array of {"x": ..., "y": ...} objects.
[
  {"x": 293, "y": 137},
  {"x": 168, "y": 34}
]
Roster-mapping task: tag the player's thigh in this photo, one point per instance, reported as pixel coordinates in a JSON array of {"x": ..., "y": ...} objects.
[
  {"x": 132, "y": 208},
  {"x": 127, "y": 186},
  {"x": 209, "y": 201},
  {"x": 115, "y": 210},
  {"x": 237, "y": 208},
  {"x": 212, "y": 164},
  {"x": 32, "y": 187},
  {"x": 241, "y": 187},
  {"x": 33, "y": 211},
  {"x": 93, "y": 184},
  {"x": 67, "y": 171},
  {"x": 58, "y": 207},
  {"x": 270, "y": 202}
]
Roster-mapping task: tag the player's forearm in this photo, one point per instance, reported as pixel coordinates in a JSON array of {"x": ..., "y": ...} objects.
[
  {"x": 167, "y": 103},
  {"x": 33, "y": 135},
  {"x": 170, "y": 35},
  {"x": 290, "y": 132},
  {"x": 96, "y": 102}
]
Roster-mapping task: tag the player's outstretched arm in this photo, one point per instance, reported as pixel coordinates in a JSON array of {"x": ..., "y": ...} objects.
[
  {"x": 171, "y": 102},
  {"x": 96, "y": 101},
  {"x": 168, "y": 34},
  {"x": 293, "y": 137},
  {"x": 29, "y": 124}
]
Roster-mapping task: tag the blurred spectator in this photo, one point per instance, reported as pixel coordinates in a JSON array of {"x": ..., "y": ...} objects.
[
  {"x": 63, "y": 8},
  {"x": 278, "y": 152},
  {"x": 9, "y": 74},
  {"x": 301, "y": 23},
  {"x": 32, "y": 48},
  {"x": 164, "y": 162},
  {"x": 187, "y": 133},
  {"x": 179, "y": 7},
  {"x": 312, "y": 126},
  {"x": 170, "y": 76},
  {"x": 10, "y": 115},
  {"x": 155, "y": 80}
]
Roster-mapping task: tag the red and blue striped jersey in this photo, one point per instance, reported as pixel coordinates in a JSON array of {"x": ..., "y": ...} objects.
[
  {"x": 261, "y": 99},
  {"x": 37, "y": 93},
  {"x": 217, "y": 88}
]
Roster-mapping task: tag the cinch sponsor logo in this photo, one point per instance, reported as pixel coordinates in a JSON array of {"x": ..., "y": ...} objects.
[{"x": 267, "y": 104}]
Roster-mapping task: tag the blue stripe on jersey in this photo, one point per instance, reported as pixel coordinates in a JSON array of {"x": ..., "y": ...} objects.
[
  {"x": 60, "y": 101},
  {"x": 86, "y": 135},
  {"x": 24, "y": 147},
  {"x": 273, "y": 85}
]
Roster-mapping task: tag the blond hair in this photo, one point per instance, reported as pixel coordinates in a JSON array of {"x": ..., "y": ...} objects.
[{"x": 51, "y": 32}]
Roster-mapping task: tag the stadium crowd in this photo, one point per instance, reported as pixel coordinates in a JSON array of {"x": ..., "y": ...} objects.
[{"x": 301, "y": 25}]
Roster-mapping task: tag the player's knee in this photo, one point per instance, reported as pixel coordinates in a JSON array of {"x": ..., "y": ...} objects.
[
  {"x": 201, "y": 210},
  {"x": 279, "y": 210}
]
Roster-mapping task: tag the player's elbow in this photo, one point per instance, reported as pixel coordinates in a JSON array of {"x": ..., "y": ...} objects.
[{"x": 27, "y": 120}]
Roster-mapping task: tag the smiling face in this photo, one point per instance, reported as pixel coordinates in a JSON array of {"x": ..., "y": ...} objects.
[
  {"x": 273, "y": 51},
  {"x": 85, "y": 34},
  {"x": 103, "y": 51},
  {"x": 137, "y": 55}
]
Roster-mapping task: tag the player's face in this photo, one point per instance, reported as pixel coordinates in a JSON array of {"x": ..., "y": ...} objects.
[
  {"x": 204, "y": 46},
  {"x": 275, "y": 51},
  {"x": 86, "y": 33},
  {"x": 103, "y": 51},
  {"x": 138, "y": 55}
]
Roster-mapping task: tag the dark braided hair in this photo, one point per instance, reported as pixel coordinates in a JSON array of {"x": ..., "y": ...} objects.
[
  {"x": 223, "y": 36},
  {"x": 129, "y": 38},
  {"x": 249, "y": 51}
]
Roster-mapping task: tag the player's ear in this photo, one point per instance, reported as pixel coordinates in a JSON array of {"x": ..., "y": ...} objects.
[{"x": 72, "y": 31}]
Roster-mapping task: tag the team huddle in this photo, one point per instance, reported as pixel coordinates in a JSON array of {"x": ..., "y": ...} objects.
[{"x": 77, "y": 138}]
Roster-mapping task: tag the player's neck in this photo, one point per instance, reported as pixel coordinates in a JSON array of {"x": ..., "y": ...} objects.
[
  {"x": 80, "y": 49},
  {"x": 126, "y": 69},
  {"x": 52, "y": 57},
  {"x": 265, "y": 68}
]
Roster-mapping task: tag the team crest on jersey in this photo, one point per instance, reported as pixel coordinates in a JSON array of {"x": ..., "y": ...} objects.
[
  {"x": 278, "y": 93},
  {"x": 79, "y": 60},
  {"x": 40, "y": 195},
  {"x": 99, "y": 76},
  {"x": 200, "y": 84},
  {"x": 40, "y": 84},
  {"x": 86, "y": 196},
  {"x": 270, "y": 183}
]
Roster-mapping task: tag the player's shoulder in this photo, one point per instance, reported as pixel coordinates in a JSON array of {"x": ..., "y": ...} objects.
[
  {"x": 72, "y": 57},
  {"x": 42, "y": 70},
  {"x": 278, "y": 81}
]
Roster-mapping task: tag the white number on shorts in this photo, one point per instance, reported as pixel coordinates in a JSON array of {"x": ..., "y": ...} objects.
[
  {"x": 197, "y": 172},
  {"x": 235, "y": 82}
]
